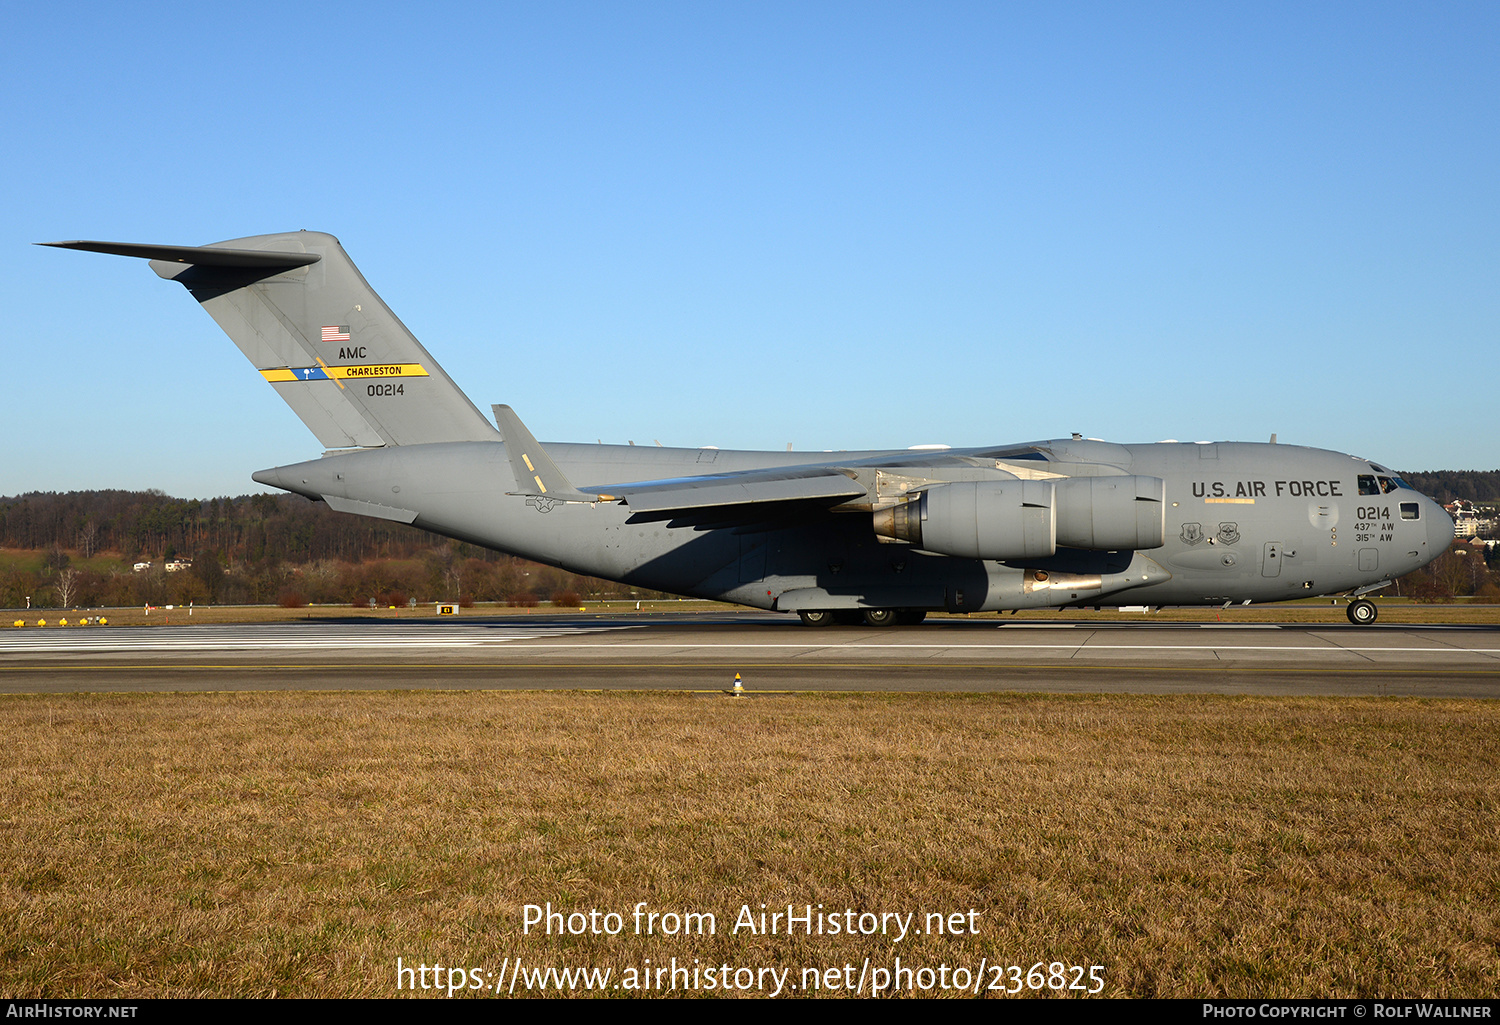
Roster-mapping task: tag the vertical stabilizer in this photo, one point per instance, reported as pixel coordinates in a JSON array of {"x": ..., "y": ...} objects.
[{"x": 308, "y": 321}]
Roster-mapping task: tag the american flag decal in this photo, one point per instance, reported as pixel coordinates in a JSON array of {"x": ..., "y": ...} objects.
[{"x": 339, "y": 333}]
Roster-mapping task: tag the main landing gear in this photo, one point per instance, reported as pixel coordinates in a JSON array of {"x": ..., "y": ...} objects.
[
  {"x": 867, "y": 617},
  {"x": 1362, "y": 612}
]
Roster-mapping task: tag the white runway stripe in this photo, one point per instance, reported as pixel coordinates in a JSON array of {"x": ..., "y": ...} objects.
[{"x": 269, "y": 638}]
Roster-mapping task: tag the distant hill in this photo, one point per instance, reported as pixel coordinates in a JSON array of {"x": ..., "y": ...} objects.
[{"x": 1447, "y": 485}]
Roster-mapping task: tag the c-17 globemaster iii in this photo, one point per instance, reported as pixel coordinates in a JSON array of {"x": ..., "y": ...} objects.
[{"x": 876, "y": 537}]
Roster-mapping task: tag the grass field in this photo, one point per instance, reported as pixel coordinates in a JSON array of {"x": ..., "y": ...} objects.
[{"x": 298, "y": 844}]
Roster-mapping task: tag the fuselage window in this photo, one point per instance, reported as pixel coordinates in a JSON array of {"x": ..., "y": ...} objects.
[
  {"x": 1367, "y": 485},
  {"x": 1411, "y": 511}
]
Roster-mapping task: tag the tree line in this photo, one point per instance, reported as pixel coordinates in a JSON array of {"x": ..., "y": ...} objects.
[
  {"x": 253, "y": 549},
  {"x": 150, "y": 524},
  {"x": 1447, "y": 486}
]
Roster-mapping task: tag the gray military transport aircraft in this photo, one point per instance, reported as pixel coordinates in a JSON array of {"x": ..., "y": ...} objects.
[{"x": 875, "y": 537}]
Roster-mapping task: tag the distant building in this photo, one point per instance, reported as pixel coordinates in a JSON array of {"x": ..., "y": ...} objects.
[
  {"x": 1468, "y": 519},
  {"x": 177, "y": 564},
  {"x": 142, "y": 567}
]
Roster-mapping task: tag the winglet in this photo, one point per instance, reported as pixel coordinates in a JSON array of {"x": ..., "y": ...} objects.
[{"x": 536, "y": 474}]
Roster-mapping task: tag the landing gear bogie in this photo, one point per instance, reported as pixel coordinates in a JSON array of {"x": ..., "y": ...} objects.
[{"x": 862, "y": 617}]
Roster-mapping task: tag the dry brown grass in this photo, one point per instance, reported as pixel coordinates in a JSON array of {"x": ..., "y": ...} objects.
[{"x": 297, "y": 844}]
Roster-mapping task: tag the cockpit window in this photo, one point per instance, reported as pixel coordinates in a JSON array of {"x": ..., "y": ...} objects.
[
  {"x": 1387, "y": 485},
  {"x": 1411, "y": 511},
  {"x": 1367, "y": 485}
]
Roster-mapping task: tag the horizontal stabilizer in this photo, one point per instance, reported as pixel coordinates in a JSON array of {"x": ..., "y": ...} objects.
[{"x": 200, "y": 256}]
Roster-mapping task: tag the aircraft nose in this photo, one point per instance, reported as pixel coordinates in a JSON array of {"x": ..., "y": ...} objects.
[{"x": 1439, "y": 528}]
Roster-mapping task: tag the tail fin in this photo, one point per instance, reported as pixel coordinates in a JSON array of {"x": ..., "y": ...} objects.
[{"x": 303, "y": 314}]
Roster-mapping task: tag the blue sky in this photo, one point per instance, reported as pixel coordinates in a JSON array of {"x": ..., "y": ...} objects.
[{"x": 840, "y": 225}]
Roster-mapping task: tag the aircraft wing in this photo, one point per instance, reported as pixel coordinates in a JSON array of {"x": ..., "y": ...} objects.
[
  {"x": 734, "y": 497},
  {"x": 757, "y": 499},
  {"x": 720, "y": 499},
  {"x": 826, "y": 484}
]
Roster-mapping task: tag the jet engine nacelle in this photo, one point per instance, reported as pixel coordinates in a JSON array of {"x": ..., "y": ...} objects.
[
  {"x": 1111, "y": 513},
  {"x": 1003, "y": 519},
  {"x": 1029, "y": 519}
]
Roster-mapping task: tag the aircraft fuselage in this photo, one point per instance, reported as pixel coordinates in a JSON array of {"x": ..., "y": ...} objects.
[{"x": 1244, "y": 523}]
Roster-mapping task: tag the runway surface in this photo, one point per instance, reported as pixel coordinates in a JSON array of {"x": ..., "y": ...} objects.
[{"x": 697, "y": 652}]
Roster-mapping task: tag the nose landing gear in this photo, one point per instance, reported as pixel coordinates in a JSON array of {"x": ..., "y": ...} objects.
[{"x": 1362, "y": 612}]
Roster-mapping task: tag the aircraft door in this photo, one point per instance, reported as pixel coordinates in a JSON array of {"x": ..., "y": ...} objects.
[
  {"x": 1369, "y": 560},
  {"x": 1270, "y": 565}
]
